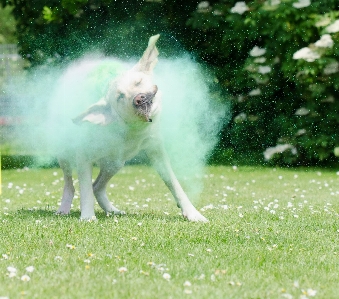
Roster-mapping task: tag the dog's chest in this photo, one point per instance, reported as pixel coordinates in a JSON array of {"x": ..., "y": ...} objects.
[{"x": 120, "y": 145}]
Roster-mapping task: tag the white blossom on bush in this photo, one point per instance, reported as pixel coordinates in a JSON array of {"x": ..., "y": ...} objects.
[
  {"x": 260, "y": 60},
  {"x": 302, "y": 111},
  {"x": 325, "y": 41},
  {"x": 255, "y": 92},
  {"x": 240, "y": 117},
  {"x": 240, "y": 7},
  {"x": 306, "y": 54},
  {"x": 331, "y": 68},
  {"x": 301, "y": 3},
  {"x": 300, "y": 132},
  {"x": 265, "y": 69},
  {"x": 329, "y": 99},
  {"x": 204, "y": 6},
  {"x": 256, "y": 51},
  {"x": 279, "y": 149},
  {"x": 333, "y": 28}
]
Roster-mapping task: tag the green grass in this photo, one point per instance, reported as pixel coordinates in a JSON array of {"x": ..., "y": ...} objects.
[{"x": 273, "y": 233}]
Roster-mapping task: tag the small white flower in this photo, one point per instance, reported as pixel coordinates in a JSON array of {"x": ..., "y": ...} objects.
[
  {"x": 30, "y": 269},
  {"x": 122, "y": 269},
  {"x": 166, "y": 276},
  {"x": 325, "y": 41},
  {"x": 256, "y": 51},
  {"x": 187, "y": 284},
  {"x": 306, "y": 54},
  {"x": 333, "y": 28},
  {"x": 301, "y": 3},
  {"x": 201, "y": 277},
  {"x": 5, "y": 256},
  {"x": 255, "y": 92},
  {"x": 25, "y": 278},
  {"x": 265, "y": 69},
  {"x": 310, "y": 292},
  {"x": 11, "y": 269},
  {"x": 240, "y": 7}
]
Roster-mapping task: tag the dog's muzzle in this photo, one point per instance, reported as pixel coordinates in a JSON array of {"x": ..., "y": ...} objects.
[{"x": 142, "y": 102}]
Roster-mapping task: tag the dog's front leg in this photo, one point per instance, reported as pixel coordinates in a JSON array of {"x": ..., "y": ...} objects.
[
  {"x": 161, "y": 163},
  {"x": 84, "y": 168}
]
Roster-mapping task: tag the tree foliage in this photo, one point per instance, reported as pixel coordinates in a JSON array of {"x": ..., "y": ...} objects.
[
  {"x": 277, "y": 60},
  {"x": 7, "y": 26}
]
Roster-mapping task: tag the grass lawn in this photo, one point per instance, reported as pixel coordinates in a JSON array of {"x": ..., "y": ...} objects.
[{"x": 273, "y": 233}]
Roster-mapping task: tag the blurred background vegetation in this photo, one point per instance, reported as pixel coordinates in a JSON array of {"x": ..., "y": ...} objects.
[{"x": 275, "y": 61}]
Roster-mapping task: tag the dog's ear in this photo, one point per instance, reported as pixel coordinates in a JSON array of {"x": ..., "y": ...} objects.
[
  {"x": 99, "y": 114},
  {"x": 149, "y": 59}
]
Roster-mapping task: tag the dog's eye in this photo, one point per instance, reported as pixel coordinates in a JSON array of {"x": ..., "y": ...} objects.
[
  {"x": 137, "y": 82},
  {"x": 120, "y": 96}
]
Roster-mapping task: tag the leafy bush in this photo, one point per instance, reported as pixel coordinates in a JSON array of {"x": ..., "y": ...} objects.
[
  {"x": 279, "y": 61},
  {"x": 275, "y": 60}
]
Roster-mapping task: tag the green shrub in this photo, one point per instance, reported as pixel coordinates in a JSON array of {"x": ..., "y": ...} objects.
[
  {"x": 256, "y": 50},
  {"x": 280, "y": 95}
]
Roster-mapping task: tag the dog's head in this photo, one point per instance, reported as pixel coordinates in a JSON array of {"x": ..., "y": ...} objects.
[{"x": 132, "y": 97}]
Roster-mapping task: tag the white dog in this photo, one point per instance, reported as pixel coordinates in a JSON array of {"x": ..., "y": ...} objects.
[{"x": 122, "y": 123}]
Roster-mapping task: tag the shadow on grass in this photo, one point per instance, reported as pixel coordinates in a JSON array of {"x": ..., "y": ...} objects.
[{"x": 47, "y": 213}]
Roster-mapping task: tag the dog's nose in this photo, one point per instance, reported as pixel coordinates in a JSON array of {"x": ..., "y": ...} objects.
[{"x": 140, "y": 99}]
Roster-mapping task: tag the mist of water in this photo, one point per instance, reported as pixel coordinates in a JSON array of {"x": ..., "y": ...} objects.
[{"x": 49, "y": 97}]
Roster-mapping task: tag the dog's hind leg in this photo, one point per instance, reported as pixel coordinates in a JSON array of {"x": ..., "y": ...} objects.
[
  {"x": 68, "y": 193},
  {"x": 108, "y": 168}
]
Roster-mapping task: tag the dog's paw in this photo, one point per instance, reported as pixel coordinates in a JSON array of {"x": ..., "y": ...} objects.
[
  {"x": 88, "y": 219},
  {"x": 195, "y": 216},
  {"x": 62, "y": 212},
  {"x": 116, "y": 213}
]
